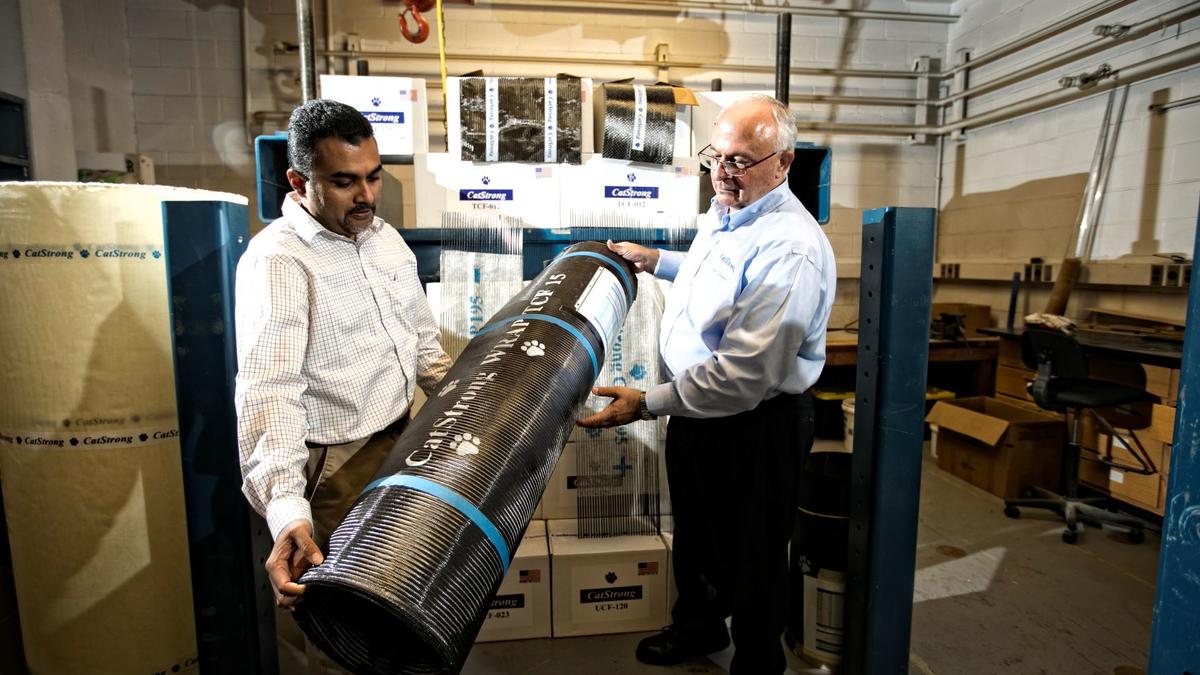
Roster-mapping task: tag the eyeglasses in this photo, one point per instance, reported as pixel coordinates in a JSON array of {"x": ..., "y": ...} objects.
[{"x": 710, "y": 159}]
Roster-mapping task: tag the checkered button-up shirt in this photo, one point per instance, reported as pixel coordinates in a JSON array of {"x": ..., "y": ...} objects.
[{"x": 332, "y": 336}]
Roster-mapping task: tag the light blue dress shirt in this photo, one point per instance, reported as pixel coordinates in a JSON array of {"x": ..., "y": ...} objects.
[{"x": 746, "y": 316}]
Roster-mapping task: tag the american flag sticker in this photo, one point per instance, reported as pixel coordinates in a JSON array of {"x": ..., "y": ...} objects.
[
  {"x": 645, "y": 568},
  {"x": 530, "y": 576},
  {"x": 542, "y": 172}
]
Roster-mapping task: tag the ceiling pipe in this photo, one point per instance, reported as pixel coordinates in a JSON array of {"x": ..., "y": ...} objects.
[
  {"x": 1064, "y": 24},
  {"x": 1143, "y": 70},
  {"x": 747, "y": 7},
  {"x": 783, "y": 56},
  {"x": 308, "y": 65},
  {"x": 648, "y": 63},
  {"x": 1134, "y": 32}
]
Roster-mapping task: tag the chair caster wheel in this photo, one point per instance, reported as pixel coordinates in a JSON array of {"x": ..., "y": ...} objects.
[
  {"x": 1012, "y": 511},
  {"x": 1070, "y": 536},
  {"x": 1137, "y": 536}
]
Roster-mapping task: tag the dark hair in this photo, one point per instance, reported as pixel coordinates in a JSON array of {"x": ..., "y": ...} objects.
[{"x": 319, "y": 119}]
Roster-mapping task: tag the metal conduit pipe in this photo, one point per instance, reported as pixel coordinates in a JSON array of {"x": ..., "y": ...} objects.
[
  {"x": 1137, "y": 30},
  {"x": 1143, "y": 70},
  {"x": 783, "y": 56},
  {"x": 722, "y": 7},
  {"x": 648, "y": 63},
  {"x": 308, "y": 64},
  {"x": 1064, "y": 24},
  {"x": 413, "y": 567}
]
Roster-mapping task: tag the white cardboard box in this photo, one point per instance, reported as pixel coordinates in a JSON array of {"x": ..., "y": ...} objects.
[
  {"x": 396, "y": 107},
  {"x": 454, "y": 119},
  {"x": 560, "y": 500},
  {"x": 521, "y": 608},
  {"x": 606, "y": 585},
  {"x": 601, "y": 184},
  {"x": 683, "y": 126},
  {"x": 526, "y": 191}
]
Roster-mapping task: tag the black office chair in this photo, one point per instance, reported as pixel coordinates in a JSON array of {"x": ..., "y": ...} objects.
[{"x": 1062, "y": 385}]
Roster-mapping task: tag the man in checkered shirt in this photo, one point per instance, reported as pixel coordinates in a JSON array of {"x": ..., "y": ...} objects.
[{"x": 333, "y": 335}]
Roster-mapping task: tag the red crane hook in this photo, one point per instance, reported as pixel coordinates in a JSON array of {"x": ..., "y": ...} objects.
[{"x": 414, "y": 8}]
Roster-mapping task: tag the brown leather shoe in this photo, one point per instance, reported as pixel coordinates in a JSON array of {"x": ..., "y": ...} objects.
[{"x": 674, "y": 645}]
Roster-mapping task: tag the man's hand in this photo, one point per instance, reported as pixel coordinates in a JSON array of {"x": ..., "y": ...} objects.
[
  {"x": 622, "y": 410},
  {"x": 643, "y": 259},
  {"x": 293, "y": 553}
]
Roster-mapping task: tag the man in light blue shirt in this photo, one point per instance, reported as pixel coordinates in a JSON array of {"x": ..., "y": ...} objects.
[{"x": 743, "y": 340}]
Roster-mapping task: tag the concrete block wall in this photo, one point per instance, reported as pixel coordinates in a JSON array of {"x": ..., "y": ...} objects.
[
  {"x": 185, "y": 62},
  {"x": 1013, "y": 190}
]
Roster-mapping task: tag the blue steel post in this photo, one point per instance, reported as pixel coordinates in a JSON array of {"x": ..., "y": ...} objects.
[
  {"x": 1174, "y": 647},
  {"x": 889, "y": 409},
  {"x": 235, "y": 620}
]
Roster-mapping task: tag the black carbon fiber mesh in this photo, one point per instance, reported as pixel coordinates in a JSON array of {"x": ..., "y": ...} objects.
[
  {"x": 520, "y": 119},
  {"x": 408, "y": 577},
  {"x": 623, "y": 130}
]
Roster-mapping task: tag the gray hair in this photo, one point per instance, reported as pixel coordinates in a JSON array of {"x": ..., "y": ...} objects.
[{"x": 785, "y": 121}]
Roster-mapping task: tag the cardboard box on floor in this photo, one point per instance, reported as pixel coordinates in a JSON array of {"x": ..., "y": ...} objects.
[
  {"x": 606, "y": 585},
  {"x": 996, "y": 446},
  {"x": 521, "y": 608}
]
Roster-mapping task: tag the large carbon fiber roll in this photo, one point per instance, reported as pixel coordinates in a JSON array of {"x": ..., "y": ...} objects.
[
  {"x": 639, "y": 122},
  {"x": 411, "y": 571},
  {"x": 521, "y": 119}
]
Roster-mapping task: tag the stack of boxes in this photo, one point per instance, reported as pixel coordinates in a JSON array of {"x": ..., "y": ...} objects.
[{"x": 1146, "y": 491}]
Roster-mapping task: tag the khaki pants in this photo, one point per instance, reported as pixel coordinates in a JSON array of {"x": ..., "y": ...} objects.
[{"x": 337, "y": 474}]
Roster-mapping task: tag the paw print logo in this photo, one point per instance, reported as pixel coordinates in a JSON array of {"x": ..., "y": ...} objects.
[
  {"x": 450, "y": 386},
  {"x": 84, "y": 253},
  {"x": 375, "y": 101},
  {"x": 486, "y": 180},
  {"x": 638, "y": 371},
  {"x": 156, "y": 254},
  {"x": 16, "y": 253},
  {"x": 143, "y": 437},
  {"x": 533, "y": 347},
  {"x": 465, "y": 444},
  {"x": 611, "y": 577},
  {"x": 631, "y": 176}
]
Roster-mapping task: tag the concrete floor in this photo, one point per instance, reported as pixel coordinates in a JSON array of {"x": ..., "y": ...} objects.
[{"x": 993, "y": 595}]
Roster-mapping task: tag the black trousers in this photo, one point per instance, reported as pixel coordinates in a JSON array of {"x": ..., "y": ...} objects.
[{"x": 733, "y": 484}]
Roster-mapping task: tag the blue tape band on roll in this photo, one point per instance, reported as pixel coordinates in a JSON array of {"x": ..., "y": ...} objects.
[
  {"x": 557, "y": 322},
  {"x": 455, "y": 500},
  {"x": 611, "y": 263}
]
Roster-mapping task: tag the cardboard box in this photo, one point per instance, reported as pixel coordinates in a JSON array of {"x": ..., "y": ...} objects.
[
  {"x": 1093, "y": 473},
  {"x": 1163, "y": 383},
  {"x": 454, "y": 117},
  {"x": 1162, "y": 424},
  {"x": 560, "y": 501},
  {"x": 1137, "y": 489},
  {"x": 529, "y": 192},
  {"x": 396, "y": 107},
  {"x": 606, "y": 585},
  {"x": 996, "y": 446},
  {"x": 1010, "y": 353},
  {"x": 975, "y": 316},
  {"x": 608, "y": 185},
  {"x": 1013, "y": 382},
  {"x": 521, "y": 608}
]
